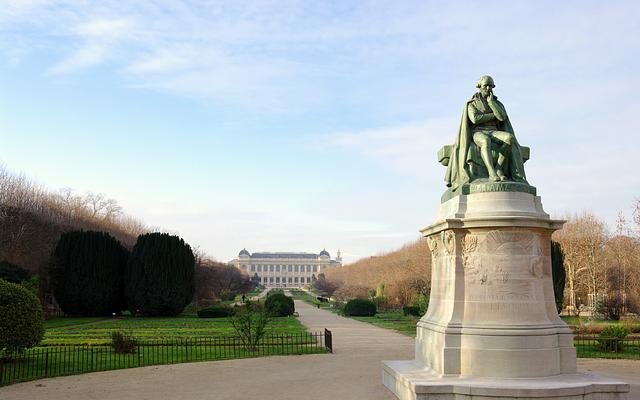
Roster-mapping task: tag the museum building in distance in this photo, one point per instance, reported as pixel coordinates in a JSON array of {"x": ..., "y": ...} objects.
[{"x": 285, "y": 269}]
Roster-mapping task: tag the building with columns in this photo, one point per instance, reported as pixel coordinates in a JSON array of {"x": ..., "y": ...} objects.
[{"x": 285, "y": 269}]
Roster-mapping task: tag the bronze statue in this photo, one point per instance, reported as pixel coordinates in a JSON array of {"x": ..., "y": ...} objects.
[{"x": 486, "y": 147}]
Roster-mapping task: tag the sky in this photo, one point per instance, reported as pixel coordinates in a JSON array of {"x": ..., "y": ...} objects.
[{"x": 303, "y": 125}]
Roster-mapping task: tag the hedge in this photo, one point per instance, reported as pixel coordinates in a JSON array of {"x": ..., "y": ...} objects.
[
  {"x": 360, "y": 308},
  {"x": 216, "y": 312}
]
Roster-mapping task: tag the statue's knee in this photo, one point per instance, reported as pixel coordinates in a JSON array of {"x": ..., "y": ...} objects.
[
  {"x": 509, "y": 138},
  {"x": 482, "y": 140}
]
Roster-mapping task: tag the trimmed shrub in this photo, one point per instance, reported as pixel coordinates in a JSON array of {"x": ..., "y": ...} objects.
[
  {"x": 159, "y": 275},
  {"x": 279, "y": 305},
  {"x": 122, "y": 343},
  {"x": 610, "y": 338},
  {"x": 360, "y": 308},
  {"x": 12, "y": 273},
  {"x": 216, "y": 312},
  {"x": 412, "y": 310},
  {"x": 87, "y": 273},
  {"x": 20, "y": 319},
  {"x": 274, "y": 292}
]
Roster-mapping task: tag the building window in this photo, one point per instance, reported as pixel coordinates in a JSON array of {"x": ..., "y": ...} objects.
[
  {"x": 253, "y": 268},
  {"x": 259, "y": 268},
  {"x": 270, "y": 268},
  {"x": 315, "y": 268},
  {"x": 290, "y": 280},
  {"x": 290, "y": 268},
  {"x": 308, "y": 268},
  {"x": 278, "y": 268},
  {"x": 308, "y": 280},
  {"x": 271, "y": 279},
  {"x": 295, "y": 280},
  {"x": 295, "y": 268},
  {"x": 277, "y": 279}
]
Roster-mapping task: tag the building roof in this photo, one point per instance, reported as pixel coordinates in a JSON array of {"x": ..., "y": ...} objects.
[
  {"x": 306, "y": 256},
  {"x": 244, "y": 252},
  {"x": 325, "y": 253}
]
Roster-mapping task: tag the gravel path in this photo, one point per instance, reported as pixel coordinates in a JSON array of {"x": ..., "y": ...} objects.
[{"x": 353, "y": 371}]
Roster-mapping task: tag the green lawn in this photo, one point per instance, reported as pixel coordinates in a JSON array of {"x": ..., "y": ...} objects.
[
  {"x": 394, "y": 319},
  {"x": 96, "y": 331},
  {"x": 591, "y": 348},
  {"x": 308, "y": 298},
  {"x": 585, "y": 348},
  {"x": 49, "y": 361},
  {"x": 77, "y": 345}
]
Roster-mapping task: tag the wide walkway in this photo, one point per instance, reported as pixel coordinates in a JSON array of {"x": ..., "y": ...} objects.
[{"x": 352, "y": 372}]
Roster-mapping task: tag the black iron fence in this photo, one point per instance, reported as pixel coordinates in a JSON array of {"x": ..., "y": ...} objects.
[
  {"x": 42, "y": 362},
  {"x": 599, "y": 347}
]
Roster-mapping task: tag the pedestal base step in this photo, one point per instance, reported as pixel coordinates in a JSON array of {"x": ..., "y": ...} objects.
[{"x": 410, "y": 382}]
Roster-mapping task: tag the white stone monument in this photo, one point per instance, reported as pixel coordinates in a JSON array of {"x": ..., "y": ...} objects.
[{"x": 492, "y": 330}]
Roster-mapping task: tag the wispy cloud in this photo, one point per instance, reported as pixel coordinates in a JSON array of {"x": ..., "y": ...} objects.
[
  {"x": 289, "y": 53},
  {"x": 100, "y": 39},
  {"x": 408, "y": 148}
]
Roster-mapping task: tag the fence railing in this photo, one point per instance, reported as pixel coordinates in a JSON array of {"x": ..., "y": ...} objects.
[
  {"x": 42, "y": 362},
  {"x": 597, "y": 347}
]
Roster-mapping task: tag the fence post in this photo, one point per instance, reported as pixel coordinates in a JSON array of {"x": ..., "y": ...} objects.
[
  {"x": 328, "y": 342},
  {"x": 46, "y": 363}
]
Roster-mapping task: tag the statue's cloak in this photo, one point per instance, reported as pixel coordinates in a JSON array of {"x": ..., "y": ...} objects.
[{"x": 465, "y": 153}]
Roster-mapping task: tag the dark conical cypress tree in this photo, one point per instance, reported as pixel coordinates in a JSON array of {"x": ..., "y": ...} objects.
[
  {"x": 558, "y": 273},
  {"x": 159, "y": 275},
  {"x": 87, "y": 271}
]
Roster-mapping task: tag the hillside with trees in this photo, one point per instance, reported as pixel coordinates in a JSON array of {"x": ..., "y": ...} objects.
[
  {"x": 398, "y": 277},
  {"x": 73, "y": 242},
  {"x": 32, "y": 218},
  {"x": 602, "y": 269}
]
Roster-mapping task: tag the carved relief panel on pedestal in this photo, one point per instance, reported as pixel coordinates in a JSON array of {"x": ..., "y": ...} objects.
[{"x": 510, "y": 261}]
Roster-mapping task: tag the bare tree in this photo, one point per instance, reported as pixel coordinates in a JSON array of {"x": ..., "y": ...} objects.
[{"x": 583, "y": 239}]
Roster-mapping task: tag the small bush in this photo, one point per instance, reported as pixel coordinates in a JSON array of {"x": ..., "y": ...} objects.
[
  {"x": 122, "y": 343},
  {"x": 412, "y": 310},
  {"x": 422, "y": 302},
  {"x": 360, "y": 308},
  {"x": 250, "y": 323},
  {"x": 610, "y": 339},
  {"x": 20, "y": 319},
  {"x": 279, "y": 305},
  {"x": 216, "y": 312}
]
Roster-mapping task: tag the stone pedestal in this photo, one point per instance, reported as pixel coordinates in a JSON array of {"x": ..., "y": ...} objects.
[{"x": 492, "y": 329}]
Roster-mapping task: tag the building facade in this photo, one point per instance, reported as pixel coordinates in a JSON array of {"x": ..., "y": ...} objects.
[{"x": 285, "y": 269}]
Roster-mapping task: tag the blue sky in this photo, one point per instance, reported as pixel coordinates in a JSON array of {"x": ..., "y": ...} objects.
[{"x": 302, "y": 125}]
